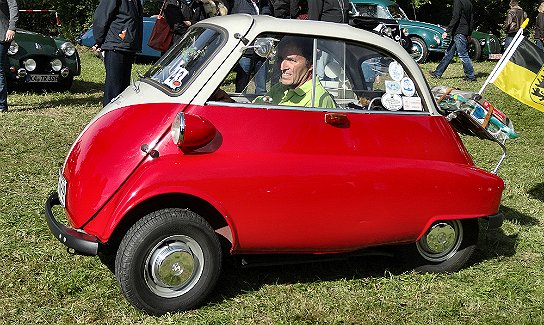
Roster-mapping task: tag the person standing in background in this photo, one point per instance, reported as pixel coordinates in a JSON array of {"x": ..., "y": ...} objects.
[
  {"x": 460, "y": 27},
  {"x": 284, "y": 8},
  {"x": 249, "y": 62},
  {"x": 514, "y": 17},
  {"x": 539, "y": 27},
  {"x": 335, "y": 11},
  {"x": 9, "y": 13},
  {"x": 182, "y": 14},
  {"x": 117, "y": 29}
]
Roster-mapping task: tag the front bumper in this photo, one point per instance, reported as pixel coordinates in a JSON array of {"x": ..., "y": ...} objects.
[
  {"x": 76, "y": 241},
  {"x": 495, "y": 221}
]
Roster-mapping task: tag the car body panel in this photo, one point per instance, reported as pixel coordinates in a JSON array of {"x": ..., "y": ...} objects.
[{"x": 271, "y": 172}]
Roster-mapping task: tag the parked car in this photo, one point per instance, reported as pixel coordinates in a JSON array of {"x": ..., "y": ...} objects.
[
  {"x": 178, "y": 171},
  {"x": 384, "y": 27},
  {"x": 426, "y": 37},
  {"x": 41, "y": 57}
]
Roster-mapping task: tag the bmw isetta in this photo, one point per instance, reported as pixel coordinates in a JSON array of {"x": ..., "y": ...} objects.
[{"x": 180, "y": 166}]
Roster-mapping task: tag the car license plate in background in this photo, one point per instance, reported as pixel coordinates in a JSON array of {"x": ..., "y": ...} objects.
[
  {"x": 495, "y": 56},
  {"x": 42, "y": 78}
]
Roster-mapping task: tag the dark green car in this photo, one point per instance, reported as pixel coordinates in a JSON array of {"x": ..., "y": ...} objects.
[
  {"x": 42, "y": 59},
  {"x": 426, "y": 37}
]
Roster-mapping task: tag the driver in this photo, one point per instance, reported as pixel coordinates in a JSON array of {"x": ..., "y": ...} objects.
[{"x": 295, "y": 82}]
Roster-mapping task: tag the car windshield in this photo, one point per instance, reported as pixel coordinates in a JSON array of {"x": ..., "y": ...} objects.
[
  {"x": 175, "y": 70},
  {"x": 396, "y": 12},
  {"x": 370, "y": 10}
]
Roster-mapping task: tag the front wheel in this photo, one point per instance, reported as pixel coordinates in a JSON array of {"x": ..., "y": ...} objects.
[
  {"x": 475, "y": 50},
  {"x": 419, "y": 49},
  {"x": 445, "y": 247},
  {"x": 168, "y": 261}
]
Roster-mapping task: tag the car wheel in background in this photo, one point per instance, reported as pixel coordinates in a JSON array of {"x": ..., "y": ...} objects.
[
  {"x": 475, "y": 50},
  {"x": 419, "y": 49}
]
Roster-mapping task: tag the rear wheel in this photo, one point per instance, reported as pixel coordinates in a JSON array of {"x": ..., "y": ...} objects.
[
  {"x": 445, "y": 247},
  {"x": 475, "y": 50},
  {"x": 168, "y": 261},
  {"x": 419, "y": 49}
]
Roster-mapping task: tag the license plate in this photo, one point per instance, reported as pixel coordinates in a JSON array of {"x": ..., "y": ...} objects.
[
  {"x": 61, "y": 189},
  {"x": 42, "y": 78},
  {"x": 495, "y": 56}
]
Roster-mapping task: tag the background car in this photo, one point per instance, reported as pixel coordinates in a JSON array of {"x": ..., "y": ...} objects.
[
  {"x": 41, "y": 57},
  {"x": 384, "y": 27},
  {"x": 426, "y": 37}
]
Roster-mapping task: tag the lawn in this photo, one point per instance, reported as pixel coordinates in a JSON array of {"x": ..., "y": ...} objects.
[{"x": 41, "y": 283}]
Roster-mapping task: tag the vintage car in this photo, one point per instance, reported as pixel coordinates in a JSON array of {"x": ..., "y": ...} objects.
[
  {"x": 178, "y": 172},
  {"x": 41, "y": 57},
  {"x": 87, "y": 39},
  {"x": 426, "y": 37}
]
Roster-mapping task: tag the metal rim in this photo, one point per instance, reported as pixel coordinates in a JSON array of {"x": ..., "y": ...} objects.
[
  {"x": 174, "y": 266},
  {"x": 417, "y": 50},
  {"x": 441, "y": 241}
]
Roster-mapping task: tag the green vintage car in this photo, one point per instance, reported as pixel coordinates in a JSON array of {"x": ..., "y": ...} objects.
[
  {"x": 41, "y": 58},
  {"x": 425, "y": 37}
]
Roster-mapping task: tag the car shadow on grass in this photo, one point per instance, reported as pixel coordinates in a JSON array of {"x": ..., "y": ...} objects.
[
  {"x": 236, "y": 280},
  {"x": 537, "y": 192}
]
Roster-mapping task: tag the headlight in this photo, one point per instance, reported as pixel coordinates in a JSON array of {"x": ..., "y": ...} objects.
[
  {"x": 13, "y": 48},
  {"x": 405, "y": 31},
  {"x": 68, "y": 49},
  {"x": 56, "y": 65},
  {"x": 178, "y": 129},
  {"x": 482, "y": 42},
  {"x": 387, "y": 31},
  {"x": 30, "y": 64},
  {"x": 436, "y": 39}
]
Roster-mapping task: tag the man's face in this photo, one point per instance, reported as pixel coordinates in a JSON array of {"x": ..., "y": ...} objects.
[{"x": 295, "y": 69}]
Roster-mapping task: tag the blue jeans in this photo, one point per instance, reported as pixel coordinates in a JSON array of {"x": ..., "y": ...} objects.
[
  {"x": 459, "y": 44},
  {"x": 118, "y": 66},
  {"x": 4, "y": 47},
  {"x": 246, "y": 65}
]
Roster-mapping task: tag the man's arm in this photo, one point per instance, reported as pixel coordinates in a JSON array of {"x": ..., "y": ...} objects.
[
  {"x": 13, "y": 17},
  {"x": 456, "y": 15}
]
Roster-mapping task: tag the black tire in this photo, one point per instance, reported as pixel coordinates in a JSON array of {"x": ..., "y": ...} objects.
[
  {"x": 445, "y": 247},
  {"x": 475, "y": 50},
  {"x": 168, "y": 261},
  {"x": 419, "y": 52}
]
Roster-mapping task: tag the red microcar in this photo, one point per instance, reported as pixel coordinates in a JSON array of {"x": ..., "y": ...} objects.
[{"x": 256, "y": 135}]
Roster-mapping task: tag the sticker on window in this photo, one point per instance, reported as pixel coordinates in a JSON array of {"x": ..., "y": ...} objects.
[
  {"x": 391, "y": 102},
  {"x": 408, "y": 88},
  {"x": 396, "y": 71},
  {"x": 412, "y": 104},
  {"x": 392, "y": 87},
  {"x": 176, "y": 77}
]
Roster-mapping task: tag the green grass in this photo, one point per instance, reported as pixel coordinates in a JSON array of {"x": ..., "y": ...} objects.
[{"x": 41, "y": 283}]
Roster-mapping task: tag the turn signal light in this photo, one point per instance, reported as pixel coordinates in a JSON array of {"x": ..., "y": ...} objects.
[{"x": 192, "y": 131}]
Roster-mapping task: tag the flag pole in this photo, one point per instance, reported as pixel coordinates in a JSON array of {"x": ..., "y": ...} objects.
[{"x": 506, "y": 55}]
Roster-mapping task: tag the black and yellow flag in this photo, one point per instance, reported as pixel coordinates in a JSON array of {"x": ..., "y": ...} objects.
[{"x": 522, "y": 74}]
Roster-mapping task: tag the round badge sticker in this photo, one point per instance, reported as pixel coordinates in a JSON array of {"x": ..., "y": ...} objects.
[
  {"x": 408, "y": 88},
  {"x": 396, "y": 71},
  {"x": 392, "y": 102}
]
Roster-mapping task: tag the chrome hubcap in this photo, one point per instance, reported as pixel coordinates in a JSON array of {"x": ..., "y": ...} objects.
[
  {"x": 174, "y": 266},
  {"x": 441, "y": 241}
]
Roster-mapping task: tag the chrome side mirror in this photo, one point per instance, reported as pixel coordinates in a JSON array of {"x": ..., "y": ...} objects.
[{"x": 263, "y": 47}]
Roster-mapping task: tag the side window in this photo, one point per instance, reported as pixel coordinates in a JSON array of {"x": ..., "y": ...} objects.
[{"x": 285, "y": 70}]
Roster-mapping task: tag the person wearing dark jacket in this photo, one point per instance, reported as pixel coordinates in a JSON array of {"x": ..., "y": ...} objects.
[
  {"x": 284, "y": 8},
  {"x": 117, "y": 29},
  {"x": 335, "y": 11},
  {"x": 539, "y": 27},
  {"x": 182, "y": 14},
  {"x": 249, "y": 62},
  {"x": 9, "y": 13},
  {"x": 460, "y": 28},
  {"x": 514, "y": 18}
]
